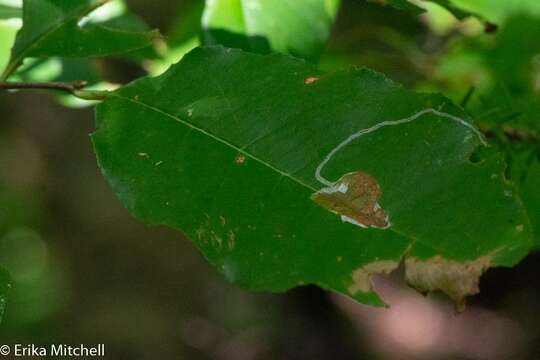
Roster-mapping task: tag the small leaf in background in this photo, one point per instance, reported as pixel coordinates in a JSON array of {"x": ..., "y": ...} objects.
[
  {"x": 300, "y": 28},
  {"x": 9, "y": 12},
  {"x": 380, "y": 38},
  {"x": 8, "y": 31},
  {"x": 181, "y": 38},
  {"x": 113, "y": 15},
  {"x": 230, "y": 147},
  {"x": 57, "y": 28},
  {"x": 503, "y": 69},
  {"x": 10, "y": 23},
  {"x": 512, "y": 59}
]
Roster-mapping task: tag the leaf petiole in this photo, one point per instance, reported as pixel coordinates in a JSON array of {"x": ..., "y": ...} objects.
[{"x": 74, "y": 88}]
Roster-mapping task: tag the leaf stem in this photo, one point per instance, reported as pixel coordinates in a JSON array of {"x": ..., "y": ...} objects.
[
  {"x": 10, "y": 69},
  {"x": 66, "y": 87},
  {"x": 74, "y": 88}
]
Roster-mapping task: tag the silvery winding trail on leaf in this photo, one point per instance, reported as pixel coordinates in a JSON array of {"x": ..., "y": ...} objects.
[{"x": 380, "y": 125}]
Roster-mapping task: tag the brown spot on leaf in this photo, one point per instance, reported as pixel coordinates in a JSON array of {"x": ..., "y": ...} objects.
[
  {"x": 456, "y": 279},
  {"x": 310, "y": 80},
  {"x": 354, "y": 197},
  {"x": 240, "y": 159},
  {"x": 361, "y": 277}
]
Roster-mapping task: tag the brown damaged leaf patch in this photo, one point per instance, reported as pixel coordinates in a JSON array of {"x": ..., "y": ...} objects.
[
  {"x": 362, "y": 276},
  {"x": 456, "y": 279},
  {"x": 354, "y": 197}
]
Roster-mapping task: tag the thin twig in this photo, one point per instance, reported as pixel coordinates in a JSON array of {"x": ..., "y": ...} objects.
[{"x": 71, "y": 87}]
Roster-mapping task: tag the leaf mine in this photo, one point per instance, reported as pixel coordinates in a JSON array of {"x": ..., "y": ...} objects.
[{"x": 354, "y": 197}]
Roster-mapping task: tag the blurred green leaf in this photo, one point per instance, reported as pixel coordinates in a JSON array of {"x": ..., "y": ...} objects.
[
  {"x": 300, "y": 28},
  {"x": 511, "y": 60},
  {"x": 182, "y": 38},
  {"x": 9, "y": 12},
  {"x": 503, "y": 70},
  {"x": 458, "y": 12},
  {"x": 187, "y": 24},
  {"x": 55, "y": 28},
  {"x": 514, "y": 98},
  {"x": 116, "y": 16},
  {"x": 8, "y": 31},
  {"x": 233, "y": 148},
  {"x": 417, "y": 7},
  {"x": 499, "y": 10},
  {"x": 172, "y": 56}
]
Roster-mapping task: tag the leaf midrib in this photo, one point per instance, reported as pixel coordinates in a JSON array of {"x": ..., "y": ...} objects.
[{"x": 217, "y": 138}]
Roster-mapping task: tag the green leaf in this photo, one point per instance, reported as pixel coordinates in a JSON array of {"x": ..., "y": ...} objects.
[
  {"x": 524, "y": 171},
  {"x": 54, "y": 28},
  {"x": 273, "y": 169},
  {"x": 9, "y": 12},
  {"x": 458, "y": 12},
  {"x": 299, "y": 28},
  {"x": 115, "y": 15},
  {"x": 530, "y": 183}
]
